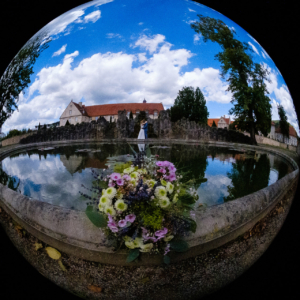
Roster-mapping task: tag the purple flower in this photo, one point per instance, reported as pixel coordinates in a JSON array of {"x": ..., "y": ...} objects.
[
  {"x": 115, "y": 176},
  {"x": 130, "y": 218},
  {"x": 172, "y": 169},
  {"x": 120, "y": 181},
  {"x": 161, "y": 170},
  {"x": 166, "y": 163},
  {"x": 160, "y": 163},
  {"x": 111, "y": 184},
  {"x": 146, "y": 237},
  {"x": 172, "y": 177},
  {"x": 167, "y": 249},
  {"x": 122, "y": 223},
  {"x": 126, "y": 177},
  {"x": 113, "y": 226},
  {"x": 161, "y": 233},
  {"x": 110, "y": 218}
]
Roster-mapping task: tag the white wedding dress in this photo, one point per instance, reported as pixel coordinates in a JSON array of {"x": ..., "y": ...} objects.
[{"x": 141, "y": 134}]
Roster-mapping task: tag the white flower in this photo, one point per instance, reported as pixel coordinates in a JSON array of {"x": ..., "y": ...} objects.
[
  {"x": 160, "y": 191},
  {"x": 128, "y": 170},
  {"x": 146, "y": 247},
  {"x": 164, "y": 202},
  {"x": 134, "y": 175},
  {"x": 138, "y": 242},
  {"x": 110, "y": 210},
  {"x": 129, "y": 244},
  {"x": 169, "y": 187},
  {"x": 168, "y": 238},
  {"x": 175, "y": 199},
  {"x": 120, "y": 205},
  {"x": 110, "y": 192},
  {"x": 105, "y": 200},
  {"x": 151, "y": 183},
  {"x": 101, "y": 206}
]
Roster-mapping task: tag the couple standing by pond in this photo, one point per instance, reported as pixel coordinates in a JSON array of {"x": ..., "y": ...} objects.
[{"x": 143, "y": 134}]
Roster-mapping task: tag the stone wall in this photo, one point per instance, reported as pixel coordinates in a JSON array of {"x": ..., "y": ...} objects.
[
  {"x": 162, "y": 128},
  {"x": 15, "y": 139},
  {"x": 267, "y": 141}
]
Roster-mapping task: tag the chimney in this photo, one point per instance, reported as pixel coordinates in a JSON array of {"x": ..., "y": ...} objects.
[
  {"x": 144, "y": 101},
  {"x": 80, "y": 104}
]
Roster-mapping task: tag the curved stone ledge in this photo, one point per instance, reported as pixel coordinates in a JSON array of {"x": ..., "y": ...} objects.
[{"x": 71, "y": 231}]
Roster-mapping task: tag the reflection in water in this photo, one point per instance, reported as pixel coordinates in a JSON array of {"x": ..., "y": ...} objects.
[{"x": 219, "y": 174}]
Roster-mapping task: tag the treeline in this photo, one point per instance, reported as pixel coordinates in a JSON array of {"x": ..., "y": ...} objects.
[{"x": 16, "y": 132}]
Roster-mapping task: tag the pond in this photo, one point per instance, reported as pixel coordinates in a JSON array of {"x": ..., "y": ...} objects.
[{"x": 56, "y": 175}]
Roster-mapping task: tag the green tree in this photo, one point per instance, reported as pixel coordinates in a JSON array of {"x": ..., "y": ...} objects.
[
  {"x": 67, "y": 123},
  {"x": 131, "y": 116},
  {"x": 213, "y": 124},
  {"x": 44, "y": 127},
  {"x": 283, "y": 123},
  {"x": 39, "y": 128},
  {"x": 252, "y": 107},
  {"x": 190, "y": 104},
  {"x": 17, "y": 75}
]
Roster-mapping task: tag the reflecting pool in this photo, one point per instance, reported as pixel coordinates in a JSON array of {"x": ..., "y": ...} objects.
[{"x": 58, "y": 175}]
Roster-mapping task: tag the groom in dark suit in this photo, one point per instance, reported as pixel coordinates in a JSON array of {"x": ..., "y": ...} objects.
[{"x": 146, "y": 129}]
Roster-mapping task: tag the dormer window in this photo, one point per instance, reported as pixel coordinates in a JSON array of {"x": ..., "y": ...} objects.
[{"x": 155, "y": 114}]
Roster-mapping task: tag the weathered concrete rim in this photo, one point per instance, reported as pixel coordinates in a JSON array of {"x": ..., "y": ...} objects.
[{"x": 71, "y": 232}]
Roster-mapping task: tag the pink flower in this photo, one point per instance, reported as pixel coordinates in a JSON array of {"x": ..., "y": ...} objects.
[
  {"x": 161, "y": 233},
  {"x": 122, "y": 223},
  {"x": 111, "y": 184},
  {"x": 146, "y": 236},
  {"x": 130, "y": 218},
  {"x": 115, "y": 176},
  {"x": 126, "y": 177},
  {"x": 110, "y": 218},
  {"x": 160, "y": 163},
  {"x": 172, "y": 177},
  {"x": 113, "y": 228},
  {"x": 166, "y": 163},
  {"x": 120, "y": 181},
  {"x": 172, "y": 169},
  {"x": 161, "y": 170}
]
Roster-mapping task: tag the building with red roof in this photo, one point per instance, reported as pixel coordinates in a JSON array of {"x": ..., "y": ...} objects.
[
  {"x": 292, "y": 140},
  {"x": 220, "y": 122},
  {"x": 78, "y": 112}
]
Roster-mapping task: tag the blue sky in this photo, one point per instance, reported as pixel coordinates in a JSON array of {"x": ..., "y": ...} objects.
[{"x": 112, "y": 51}]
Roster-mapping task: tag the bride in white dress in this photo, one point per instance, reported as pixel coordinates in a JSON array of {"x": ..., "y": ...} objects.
[{"x": 142, "y": 132}]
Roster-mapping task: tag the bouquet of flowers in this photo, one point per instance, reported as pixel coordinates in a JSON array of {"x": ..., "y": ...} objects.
[{"x": 146, "y": 208}]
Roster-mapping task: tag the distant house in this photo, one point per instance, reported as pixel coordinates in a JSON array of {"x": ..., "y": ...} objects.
[
  {"x": 220, "y": 122},
  {"x": 271, "y": 134},
  {"x": 292, "y": 140},
  {"x": 48, "y": 125},
  {"x": 78, "y": 112}
]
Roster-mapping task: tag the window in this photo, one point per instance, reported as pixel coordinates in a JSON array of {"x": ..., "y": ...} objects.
[
  {"x": 70, "y": 120},
  {"x": 70, "y": 112},
  {"x": 155, "y": 114},
  {"x": 76, "y": 119},
  {"x": 128, "y": 114},
  {"x": 137, "y": 112}
]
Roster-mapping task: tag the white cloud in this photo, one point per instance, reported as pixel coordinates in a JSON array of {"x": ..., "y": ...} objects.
[
  {"x": 196, "y": 38},
  {"x": 254, "y": 48},
  {"x": 111, "y": 78},
  {"x": 253, "y": 39},
  {"x": 141, "y": 23},
  {"x": 265, "y": 52},
  {"x": 283, "y": 97},
  {"x": 113, "y": 35},
  {"x": 191, "y": 10},
  {"x": 92, "y": 17},
  {"x": 264, "y": 56},
  {"x": 60, "y": 51},
  {"x": 148, "y": 43}
]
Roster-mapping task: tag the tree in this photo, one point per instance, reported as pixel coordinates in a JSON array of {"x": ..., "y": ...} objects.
[
  {"x": 44, "y": 127},
  {"x": 131, "y": 116},
  {"x": 191, "y": 105},
  {"x": 17, "y": 75},
  {"x": 39, "y": 128},
  {"x": 67, "y": 123},
  {"x": 232, "y": 126},
  {"x": 110, "y": 119},
  {"x": 283, "y": 123},
  {"x": 252, "y": 107},
  {"x": 213, "y": 124}
]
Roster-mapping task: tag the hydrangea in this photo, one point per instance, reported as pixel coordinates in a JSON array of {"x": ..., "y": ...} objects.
[
  {"x": 160, "y": 192},
  {"x": 120, "y": 205},
  {"x": 128, "y": 170}
]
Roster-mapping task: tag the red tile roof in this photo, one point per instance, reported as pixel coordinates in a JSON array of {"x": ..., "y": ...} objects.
[
  {"x": 210, "y": 121},
  {"x": 112, "y": 109},
  {"x": 292, "y": 131},
  {"x": 80, "y": 108}
]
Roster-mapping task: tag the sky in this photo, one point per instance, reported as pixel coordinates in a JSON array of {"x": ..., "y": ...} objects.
[{"x": 122, "y": 51}]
